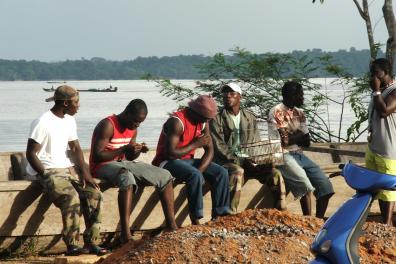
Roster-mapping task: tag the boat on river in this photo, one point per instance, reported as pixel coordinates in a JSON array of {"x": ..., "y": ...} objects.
[
  {"x": 102, "y": 90},
  {"x": 49, "y": 89},
  {"x": 56, "y": 81}
]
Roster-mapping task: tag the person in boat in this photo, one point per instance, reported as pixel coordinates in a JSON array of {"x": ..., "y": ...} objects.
[
  {"x": 302, "y": 176},
  {"x": 65, "y": 180},
  {"x": 184, "y": 132},
  {"x": 112, "y": 158},
  {"x": 381, "y": 151},
  {"x": 234, "y": 126}
]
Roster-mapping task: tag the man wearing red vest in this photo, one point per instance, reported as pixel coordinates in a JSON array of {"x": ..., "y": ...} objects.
[
  {"x": 185, "y": 131},
  {"x": 113, "y": 151}
]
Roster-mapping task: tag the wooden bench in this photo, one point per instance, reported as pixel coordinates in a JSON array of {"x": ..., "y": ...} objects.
[{"x": 28, "y": 214}]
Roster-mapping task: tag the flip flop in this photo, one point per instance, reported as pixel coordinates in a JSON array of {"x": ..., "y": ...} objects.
[
  {"x": 74, "y": 251},
  {"x": 156, "y": 232},
  {"x": 98, "y": 251},
  {"x": 117, "y": 243}
]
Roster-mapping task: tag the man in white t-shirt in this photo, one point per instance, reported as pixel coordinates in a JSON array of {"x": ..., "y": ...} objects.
[{"x": 52, "y": 137}]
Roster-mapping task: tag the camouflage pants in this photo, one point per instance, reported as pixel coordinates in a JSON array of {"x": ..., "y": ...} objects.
[
  {"x": 65, "y": 191},
  {"x": 274, "y": 181},
  {"x": 235, "y": 173}
]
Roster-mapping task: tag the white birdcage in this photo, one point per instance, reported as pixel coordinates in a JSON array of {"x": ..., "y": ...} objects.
[{"x": 267, "y": 149}]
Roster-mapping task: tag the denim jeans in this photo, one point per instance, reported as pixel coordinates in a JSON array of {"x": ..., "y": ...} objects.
[
  {"x": 217, "y": 177},
  {"x": 302, "y": 175}
]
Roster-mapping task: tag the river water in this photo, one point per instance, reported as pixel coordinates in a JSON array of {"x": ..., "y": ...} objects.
[{"x": 23, "y": 101}]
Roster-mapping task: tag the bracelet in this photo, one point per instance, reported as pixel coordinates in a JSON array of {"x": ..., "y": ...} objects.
[{"x": 376, "y": 93}]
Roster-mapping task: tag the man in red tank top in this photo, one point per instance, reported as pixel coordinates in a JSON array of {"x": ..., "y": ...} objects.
[
  {"x": 113, "y": 151},
  {"x": 185, "y": 131}
]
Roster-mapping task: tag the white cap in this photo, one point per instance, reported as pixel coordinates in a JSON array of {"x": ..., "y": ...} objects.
[{"x": 233, "y": 86}]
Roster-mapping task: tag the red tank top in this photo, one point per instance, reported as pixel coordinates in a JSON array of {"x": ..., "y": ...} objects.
[
  {"x": 190, "y": 131},
  {"x": 118, "y": 140}
]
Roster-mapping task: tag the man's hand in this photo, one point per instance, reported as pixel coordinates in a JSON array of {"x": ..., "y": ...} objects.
[
  {"x": 202, "y": 141},
  {"x": 88, "y": 179},
  {"x": 304, "y": 141},
  {"x": 144, "y": 148},
  {"x": 300, "y": 138},
  {"x": 284, "y": 134},
  {"x": 297, "y": 137},
  {"x": 375, "y": 84},
  {"x": 133, "y": 148}
]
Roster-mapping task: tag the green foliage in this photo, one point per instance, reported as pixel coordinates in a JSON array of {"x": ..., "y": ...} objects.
[
  {"x": 176, "y": 67},
  {"x": 263, "y": 75},
  {"x": 22, "y": 247}
]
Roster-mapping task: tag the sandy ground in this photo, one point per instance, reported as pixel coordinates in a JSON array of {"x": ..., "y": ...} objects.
[{"x": 253, "y": 236}]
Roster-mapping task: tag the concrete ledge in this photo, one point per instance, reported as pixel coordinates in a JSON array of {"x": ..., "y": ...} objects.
[
  {"x": 321, "y": 153},
  {"x": 28, "y": 214}
]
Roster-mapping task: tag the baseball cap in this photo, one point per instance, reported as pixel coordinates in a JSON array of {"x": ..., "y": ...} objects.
[
  {"x": 63, "y": 92},
  {"x": 233, "y": 86},
  {"x": 204, "y": 105}
]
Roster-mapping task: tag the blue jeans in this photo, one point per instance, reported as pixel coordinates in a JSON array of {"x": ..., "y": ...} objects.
[
  {"x": 217, "y": 177},
  {"x": 302, "y": 175}
]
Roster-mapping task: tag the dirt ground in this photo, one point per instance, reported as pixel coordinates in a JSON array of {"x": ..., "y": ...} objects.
[{"x": 253, "y": 236}]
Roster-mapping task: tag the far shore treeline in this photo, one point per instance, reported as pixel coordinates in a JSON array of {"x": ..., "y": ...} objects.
[{"x": 174, "y": 67}]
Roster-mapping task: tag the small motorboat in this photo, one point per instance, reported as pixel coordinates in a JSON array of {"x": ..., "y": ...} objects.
[
  {"x": 110, "y": 89},
  {"x": 49, "y": 89}
]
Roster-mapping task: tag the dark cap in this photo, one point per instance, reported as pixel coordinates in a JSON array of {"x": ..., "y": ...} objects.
[{"x": 204, "y": 105}]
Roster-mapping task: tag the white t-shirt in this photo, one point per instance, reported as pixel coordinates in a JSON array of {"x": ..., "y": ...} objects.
[
  {"x": 236, "y": 119},
  {"x": 53, "y": 134}
]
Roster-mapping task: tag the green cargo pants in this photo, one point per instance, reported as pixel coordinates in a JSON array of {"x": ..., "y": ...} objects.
[
  {"x": 273, "y": 179},
  {"x": 66, "y": 192}
]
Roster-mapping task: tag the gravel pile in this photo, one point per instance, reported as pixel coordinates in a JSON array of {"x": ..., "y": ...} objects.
[{"x": 253, "y": 236}]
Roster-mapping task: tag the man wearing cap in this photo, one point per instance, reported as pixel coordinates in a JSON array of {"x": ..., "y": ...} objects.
[
  {"x": 232, "y": 127},
  {"x": 113, "y": 153},
  {"x": 185, "y": 131},
  {"x": 51, "y": 135}
]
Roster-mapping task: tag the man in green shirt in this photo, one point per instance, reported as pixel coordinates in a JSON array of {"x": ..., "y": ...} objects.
[{"x": 232, "y": 127}]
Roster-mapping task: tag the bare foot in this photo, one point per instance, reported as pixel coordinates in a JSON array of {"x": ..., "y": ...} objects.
[
  {"x": 195, "y": 221},
  {"x": 157, "y": 232},
  {"x": 125, "y": 239},
  {"x": 169, "y": 229}
]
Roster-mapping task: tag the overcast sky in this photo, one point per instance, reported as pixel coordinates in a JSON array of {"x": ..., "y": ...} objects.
[{"x": 53, "y": 30}]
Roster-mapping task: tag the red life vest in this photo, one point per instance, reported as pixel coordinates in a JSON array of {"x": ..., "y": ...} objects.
[
  {"x": 118, "y": 140},
  {"x": 190, "y": 131}
]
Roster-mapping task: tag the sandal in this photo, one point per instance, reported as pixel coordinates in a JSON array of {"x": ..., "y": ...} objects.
[
  {"x": 98, "y": 251},
  {"x": 117, "y": 243},
  {"x": 74, "y": 251}
]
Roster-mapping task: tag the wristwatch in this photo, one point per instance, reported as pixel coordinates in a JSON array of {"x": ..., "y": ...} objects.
[{"x": 375, "y": 93}]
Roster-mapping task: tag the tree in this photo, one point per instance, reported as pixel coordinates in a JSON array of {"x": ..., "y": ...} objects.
[
  {"x": 263, "y": 75},
  {"x": 390, "y": 23}
]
